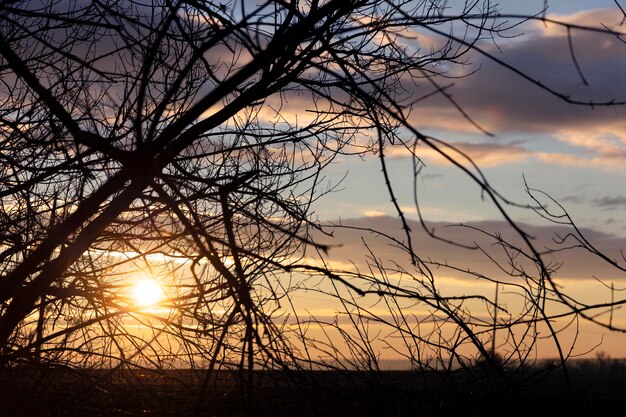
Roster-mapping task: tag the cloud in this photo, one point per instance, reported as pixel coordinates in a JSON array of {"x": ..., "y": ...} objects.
[
  {"x": 610, "y": 203},
  {"x": 593, "y": 161},
  {"x": 598, "y": 18},
  {"x": 494, "y": 153},
  {"x": 373, "y": 213},
  {"x": 502, "y": 101},
  {"x": 574, "y": 199},
  {"x": 573, "y": 263},
  {"x": 483, "y": 154}
]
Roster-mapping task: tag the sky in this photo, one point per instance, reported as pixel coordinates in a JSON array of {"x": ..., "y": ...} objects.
[{"x": 574, "y": 154}]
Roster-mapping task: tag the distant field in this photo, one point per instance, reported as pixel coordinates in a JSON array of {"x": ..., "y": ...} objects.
[{"x": 597, "y": 390}]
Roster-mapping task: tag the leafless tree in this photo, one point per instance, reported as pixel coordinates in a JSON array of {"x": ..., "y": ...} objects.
[{"x": 190, "y": 139}]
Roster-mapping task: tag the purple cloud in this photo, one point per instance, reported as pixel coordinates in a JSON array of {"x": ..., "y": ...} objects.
[
  {"x": 575, "y": 263},
  {"x": 502, "y": 101}
]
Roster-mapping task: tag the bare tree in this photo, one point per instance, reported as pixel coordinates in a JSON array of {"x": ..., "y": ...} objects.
[{"x": 157, "y": 137}]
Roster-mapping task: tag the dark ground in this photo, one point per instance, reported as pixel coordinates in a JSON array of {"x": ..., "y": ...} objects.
[{"x": 28, "y": 391}]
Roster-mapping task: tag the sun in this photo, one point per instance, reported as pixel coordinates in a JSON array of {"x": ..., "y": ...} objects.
[{"x": 147, "y": 292}]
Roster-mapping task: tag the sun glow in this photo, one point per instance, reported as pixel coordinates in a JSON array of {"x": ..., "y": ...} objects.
[{"x": 147, "y": 292}]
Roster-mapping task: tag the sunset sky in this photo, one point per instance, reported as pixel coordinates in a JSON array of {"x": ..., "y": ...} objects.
[
  {"x": 576, "y": 154},
  {"x": 237, "y": 167}
]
